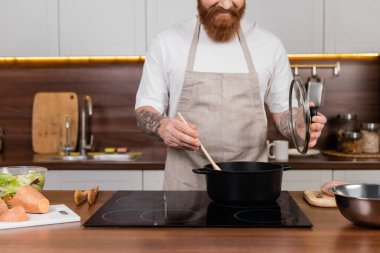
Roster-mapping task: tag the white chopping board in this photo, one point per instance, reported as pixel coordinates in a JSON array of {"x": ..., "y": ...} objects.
[{"x": 57, "y": 214}]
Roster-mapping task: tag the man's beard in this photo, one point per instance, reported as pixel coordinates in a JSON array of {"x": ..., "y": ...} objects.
[{"x": 220, "y": 28}]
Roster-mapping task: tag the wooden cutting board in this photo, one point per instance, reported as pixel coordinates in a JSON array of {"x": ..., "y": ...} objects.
[
  {"x": 346, "y": 155},
  {"x": 317, "y": 198},
  {"x": 48, "y": 121}
]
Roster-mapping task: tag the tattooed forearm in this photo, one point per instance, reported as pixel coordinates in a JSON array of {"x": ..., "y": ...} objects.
[
  {"x": 283, "y": 125},
  {"x": 149, "y": 122}
]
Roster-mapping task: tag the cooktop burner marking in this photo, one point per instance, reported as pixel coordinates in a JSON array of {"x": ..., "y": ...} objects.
[
  {"x": 169, "y": 215},
  {"x": 263, "y": 216},
  {"x": 119, "y": 216}
]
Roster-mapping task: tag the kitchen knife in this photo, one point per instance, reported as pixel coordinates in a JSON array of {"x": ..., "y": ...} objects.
[{"x": 315, "y": 93}]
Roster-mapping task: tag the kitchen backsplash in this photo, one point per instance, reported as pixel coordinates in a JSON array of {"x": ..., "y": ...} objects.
[{"x": 113, "y": 85}]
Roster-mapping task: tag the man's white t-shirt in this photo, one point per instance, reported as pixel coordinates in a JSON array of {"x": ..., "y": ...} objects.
[{"x": 166, "y": 60}]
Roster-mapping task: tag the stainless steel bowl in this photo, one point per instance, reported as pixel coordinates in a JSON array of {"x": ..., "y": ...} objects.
[{"x": 359, "y": 203}]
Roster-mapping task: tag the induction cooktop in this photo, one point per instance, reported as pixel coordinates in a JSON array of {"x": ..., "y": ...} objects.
[{"x": 193, "y": 209}]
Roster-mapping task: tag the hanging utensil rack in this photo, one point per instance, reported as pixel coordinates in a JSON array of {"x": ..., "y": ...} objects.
[{"x": 335, "y": 67}]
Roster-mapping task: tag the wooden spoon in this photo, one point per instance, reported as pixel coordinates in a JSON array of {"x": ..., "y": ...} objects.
[{"x": 214, "y": 165}]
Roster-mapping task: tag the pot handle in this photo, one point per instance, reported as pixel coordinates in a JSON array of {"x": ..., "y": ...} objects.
[
  {"x": 202, "y": 171},
  {"x": 285, "y": 167}
]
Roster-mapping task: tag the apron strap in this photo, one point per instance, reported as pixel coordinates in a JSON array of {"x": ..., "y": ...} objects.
[
  {"x": 194, "y": 44},
  {"x": 193, "y": 48},
  {"x": 247, "y": 54}
]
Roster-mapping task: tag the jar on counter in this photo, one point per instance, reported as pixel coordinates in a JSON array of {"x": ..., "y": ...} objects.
[
  {"x": 370, "y": 137},
  {"x": 351, "y": 143},
  {"x": 347, "y": 122},
  {"x": 344, "y": 122}
]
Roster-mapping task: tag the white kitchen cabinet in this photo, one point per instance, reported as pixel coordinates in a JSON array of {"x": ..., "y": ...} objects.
[
  {"x": 358, "y": 176},
  {"x": 102, "y": 28},
  {"x": 160, "y": 14},
  {"x": 298, "y": 23},
  {"x": 153, "y": 180},
  {"x": 111, "y": 180},
  {"x": 352, "y": 26},
  {"x": 300, "y": 180},
  {"x": 126, "y": 27},
  {"x": 28, "y": 28},
  {"x": 293, "y": 180}
]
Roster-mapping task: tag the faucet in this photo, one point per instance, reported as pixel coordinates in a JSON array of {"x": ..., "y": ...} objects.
[
  {"x": 67, "y": 146},
  {"x": 86, "y": 111}
]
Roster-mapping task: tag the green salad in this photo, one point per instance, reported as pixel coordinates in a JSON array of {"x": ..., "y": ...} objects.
[{"x": 9, "y": 184}]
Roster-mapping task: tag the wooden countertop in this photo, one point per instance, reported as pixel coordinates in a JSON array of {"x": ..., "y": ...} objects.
[
  {"x": 331, "y": 233},
  {"x": 154, "y": 159}
]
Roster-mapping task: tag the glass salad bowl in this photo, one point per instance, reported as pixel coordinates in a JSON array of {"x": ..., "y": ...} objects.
[{"x": 14, "y": 177}]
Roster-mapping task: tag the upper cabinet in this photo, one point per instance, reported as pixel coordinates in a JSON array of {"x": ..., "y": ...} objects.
[
  {"x": 352, "y": 26},
  {"x": 126, "y": 27},
  {"x": 102, "y": 28},
  {"x": 298, "y": 23},
  {"x": 28, "y": 28},
  {"x": 163, "y": 13}
]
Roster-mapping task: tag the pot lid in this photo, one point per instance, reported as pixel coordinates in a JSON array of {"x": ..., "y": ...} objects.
[{"x": 299, "y": 115}]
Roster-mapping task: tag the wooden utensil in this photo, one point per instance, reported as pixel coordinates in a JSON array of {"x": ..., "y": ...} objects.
[
  {"x": 49, "y": 121},
  {"x": 214, "y": 165}
]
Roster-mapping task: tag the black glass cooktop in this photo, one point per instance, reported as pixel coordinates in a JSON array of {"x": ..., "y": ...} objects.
[{"x": 193, "y": 209}]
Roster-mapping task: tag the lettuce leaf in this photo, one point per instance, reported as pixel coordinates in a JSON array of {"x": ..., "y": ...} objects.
[{"x": 8, "y": 184}]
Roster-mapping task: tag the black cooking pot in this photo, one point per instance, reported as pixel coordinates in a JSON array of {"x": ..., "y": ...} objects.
[{"x": 243, "y": 182}]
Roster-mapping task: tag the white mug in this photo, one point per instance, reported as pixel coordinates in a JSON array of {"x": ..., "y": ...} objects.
[{"x": 280, "y": 150}]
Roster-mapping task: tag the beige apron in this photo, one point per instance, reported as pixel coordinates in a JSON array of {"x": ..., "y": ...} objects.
[{"x": 229, "y": 115}]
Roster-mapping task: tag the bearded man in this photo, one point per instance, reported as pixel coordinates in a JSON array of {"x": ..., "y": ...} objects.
[{"x": 217, "y": 70}]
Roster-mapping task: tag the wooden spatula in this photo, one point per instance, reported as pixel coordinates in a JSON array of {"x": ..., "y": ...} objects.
[{"x": 214, "y": 165}]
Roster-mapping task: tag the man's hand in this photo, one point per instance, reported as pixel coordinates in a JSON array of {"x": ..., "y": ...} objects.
[
  {"x": 177, "y": 134},
  {"x": 315, "y": 129},
  {"x": 172, "y": 132}
]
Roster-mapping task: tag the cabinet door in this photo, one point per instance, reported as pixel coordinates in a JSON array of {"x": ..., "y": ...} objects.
[
  {"x": 358, "y": 176},
  {"x": 352, "y": 26},
  {"x": 298, "y": 23},
  {"x": 97, "y": 27},
  {"x": 163, "y": 13},
  {"x": 153, "y": 180},
  {"x": 301, "y": 180},
  {"x": 29, "y": 28},
  {"x": 111, "y": 180}
]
